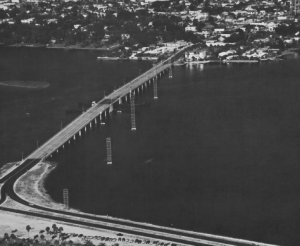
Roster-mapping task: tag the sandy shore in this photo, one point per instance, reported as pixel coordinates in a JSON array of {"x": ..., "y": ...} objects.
[
  {"x": 16, "y": 223},
  {"x": 30, "y": 186}
]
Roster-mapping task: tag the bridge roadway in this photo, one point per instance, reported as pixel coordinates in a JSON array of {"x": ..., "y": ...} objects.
[{"x": 92, "y": 113}]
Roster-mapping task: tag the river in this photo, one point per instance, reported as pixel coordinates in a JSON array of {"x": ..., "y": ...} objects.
[{"x": 218, "y": 152}]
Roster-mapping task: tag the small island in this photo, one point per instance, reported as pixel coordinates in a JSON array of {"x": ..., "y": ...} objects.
[{"x": 25, "y": 84}]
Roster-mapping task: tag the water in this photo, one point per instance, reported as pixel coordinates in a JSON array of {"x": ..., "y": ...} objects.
[{"x": 218, "y": 152}]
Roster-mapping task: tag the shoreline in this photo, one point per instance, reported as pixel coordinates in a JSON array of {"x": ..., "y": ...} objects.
[
  {"x": 30, "y": 186},
  {"x": 22, "y": 84},
  {"x": 58, "y": 46}
]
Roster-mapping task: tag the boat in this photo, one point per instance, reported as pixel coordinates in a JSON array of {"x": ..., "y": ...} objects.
[
  {"x": 108, "y": 58},
  {"x": 264, "y": 59},
  {"x": 179, "y": 63},
  {"x": 198, "y": 62}
]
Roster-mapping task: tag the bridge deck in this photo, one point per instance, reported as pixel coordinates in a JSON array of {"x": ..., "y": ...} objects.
[{"x": 84, "y": 119}]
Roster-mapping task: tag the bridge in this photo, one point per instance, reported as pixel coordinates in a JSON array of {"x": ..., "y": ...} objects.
[{"x": 101, "y": 109}]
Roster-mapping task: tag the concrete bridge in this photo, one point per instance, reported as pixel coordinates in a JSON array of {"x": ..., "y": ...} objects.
[{"x": 101, "y": 109}]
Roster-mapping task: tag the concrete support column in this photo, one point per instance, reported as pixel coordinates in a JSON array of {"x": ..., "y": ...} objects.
[
  {"x": 120, "y": 100},
  {"x": 111, "y": 108}
]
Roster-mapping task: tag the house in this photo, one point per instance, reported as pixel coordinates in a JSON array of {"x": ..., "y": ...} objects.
[
  {"x": 195, "y": 55},
  {"x": 27, "y": 21},
  {"x": 190, "y": 29},
  {"x": 219, "y": 30},
  {"x": 125, "y": 36},
  {"x": 271, "y": 26}
]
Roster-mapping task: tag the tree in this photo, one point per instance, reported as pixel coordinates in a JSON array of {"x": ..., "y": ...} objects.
[
  {"x": 42, "y": 237},
  {"x": 54, "y": 228},
  {"x": 28, "y": 228},
  {"x": 56, "y": 242},
  {"x": 200, "y": 26},
  {"x": 13, "y": 237}
]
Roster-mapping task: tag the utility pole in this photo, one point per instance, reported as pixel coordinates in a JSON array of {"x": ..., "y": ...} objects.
[
  {"x": 66, "y": 198},
  {"x": 132, "y": 103},
  {"x": 108, "y": 148},
  {"x": 155, "y": 88}
]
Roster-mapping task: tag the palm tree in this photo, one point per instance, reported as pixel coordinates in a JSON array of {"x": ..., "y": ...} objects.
[
  {"x": 42, "y": 237},
  {"x": 54, "y": 227},
  {"x": 6, "y": 236},
  {"x": 56, "y": 242},
  {"x": 13, "y": 237},
  {"x": 88, "y": 243},
  {"x": 28, "y": 228}
]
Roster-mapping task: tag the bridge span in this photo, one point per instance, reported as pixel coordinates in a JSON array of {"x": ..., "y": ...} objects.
[{"x": 101, "y": 109}]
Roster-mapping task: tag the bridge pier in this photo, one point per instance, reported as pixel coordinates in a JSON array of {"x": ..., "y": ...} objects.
[
  {"x": 100, "y": 116},
  {"x": 74, "y": 137},
  {"x": 79, "y": 133},
  {"x": 155, "y": 89},
  {"x": 85, "y": 128},
  {"x": 111, "y": 108},
  {"x": 91, "y": 124},
  {"x": 95, "y": 120},
  {"x": 120, "y": 100},
  {"x": 170, "y": 73}
]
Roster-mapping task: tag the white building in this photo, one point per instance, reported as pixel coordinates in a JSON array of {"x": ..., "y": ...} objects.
[
  {"x": 195, "y": 55},
  {"x": 190, "y": 29}
]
